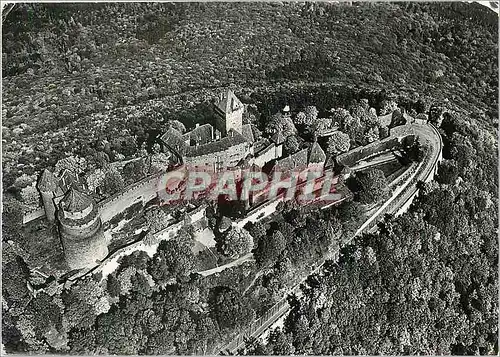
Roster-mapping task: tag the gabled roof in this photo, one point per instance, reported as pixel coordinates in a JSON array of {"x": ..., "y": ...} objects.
[
  {"x": 233, "y": 138},
  {"x": 298, "y": 159},
  {"x": 67, "y": 179},
  {"x": 173, "y": 138},
  {"x": 47, "y": 182},
  {"x": 261, "y": 144},
  {"x": 246, "y": 131},
  {"x": 278, "y": 138},
  {"x": 200, "y": 135},
  {"x": 75, "y": 201},
  {"x": 316, "y": 154},
  {"x": 229, "y": 103}
]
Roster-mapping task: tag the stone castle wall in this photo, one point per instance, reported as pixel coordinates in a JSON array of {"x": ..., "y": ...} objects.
[
  {"x": 141, "y": 191},
  {"x": 227, "y": 158},
  {"x": 49, "y": 206},
  {"x": 84, "y": 251},
  {"x": 111, "y": 262},
  {"x": 264, "y": 156},
  {"x": 364, "y": 152}
]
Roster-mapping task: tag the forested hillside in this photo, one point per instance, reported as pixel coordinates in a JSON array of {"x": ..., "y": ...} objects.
[
  {"x": 97, "y": 80},
  {"x": 128, "y": 68}
]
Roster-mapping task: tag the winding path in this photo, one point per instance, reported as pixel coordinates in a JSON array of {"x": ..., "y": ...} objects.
[{"x": 401, "y": 198}]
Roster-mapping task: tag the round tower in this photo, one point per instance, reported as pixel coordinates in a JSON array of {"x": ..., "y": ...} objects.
[
  {"x": 47, "y": 185},
  {"x": 81, "y": 230}
]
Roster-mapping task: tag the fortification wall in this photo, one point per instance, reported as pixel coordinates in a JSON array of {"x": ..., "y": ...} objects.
[
  {"x": 32, "y": 215},
  {"x": 364, "y": 152},
  {"x": 110, "y": 263},
  {"x": 142, "y": 191},
  {"x": 265, "y": 209},
  {"x": 265, "y": 155}
]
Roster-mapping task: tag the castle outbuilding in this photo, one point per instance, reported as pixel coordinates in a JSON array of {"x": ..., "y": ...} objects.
[{"x": 81, "y": 230}]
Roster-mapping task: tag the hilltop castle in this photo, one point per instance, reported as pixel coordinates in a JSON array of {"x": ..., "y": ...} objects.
[{"x": 226, "y": 144}]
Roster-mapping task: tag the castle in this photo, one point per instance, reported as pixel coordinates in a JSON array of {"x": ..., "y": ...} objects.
[
  {"x": 230, "y": 144},
  {"x": 224, "y": 147}
]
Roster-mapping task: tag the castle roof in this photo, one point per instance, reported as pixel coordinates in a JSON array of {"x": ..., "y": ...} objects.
[
  {"x": 316, "y": 154},
  {"x": 67, "y": 180},
  {"x": 229, "y": 103},
  {"x": 278, "y": 137},
  {"x": 246, "y": 131},
  {"x": 298, "y": 159},
  {"x": 47, "y": 182},
  {"x": 233, "y": 138},
  {"x": 201, "y": 135},
  {"x": 173, "y": 138},
  {"x": 75, "y": 201},
  {"x": 261, "y": 144}
]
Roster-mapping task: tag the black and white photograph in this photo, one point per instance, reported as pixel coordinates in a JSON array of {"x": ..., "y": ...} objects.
[{"x": 250, "y": 178}]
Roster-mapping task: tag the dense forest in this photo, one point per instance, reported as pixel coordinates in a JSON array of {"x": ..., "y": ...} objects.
[{"x": 97, "y": 80}]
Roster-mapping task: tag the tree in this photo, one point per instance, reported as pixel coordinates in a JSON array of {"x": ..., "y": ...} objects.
[
  {"x": 348, "y": 123},
  {"x": 72, "y": 163},
  {"x": 177, "y": 125},
  {"x": 280, "y": 343},
  {"x": 15, "y": 290},
  {"x": 113, "y": 286},
  {"x": 311, "y": 114},
  {"x": 280, "y": 123},
  {"x": 387, "y": 106},
  {"x": 235, "y": 243},
  {"x": 12, "y": 218},
  {"x": 372, "y": 135},
  {"x": 372, "y": 186},
  {"x": 228, "y": 308},
  {"x": 300, "y": 118},
  {"x": 95, "y": 179},
  {"x": 269, "y": 249},
  {"x": 159, "y": 162},
  {"x": 338, "y": 142},
  {"x": 171, "y": 260},
  {"x": 134, "y": 170},
  {"x": 140, "y": 284},
  {"x": 113, "y": 181},
  {"x": 257, "y": 230},
  {"x": 156, "y": 218}
]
